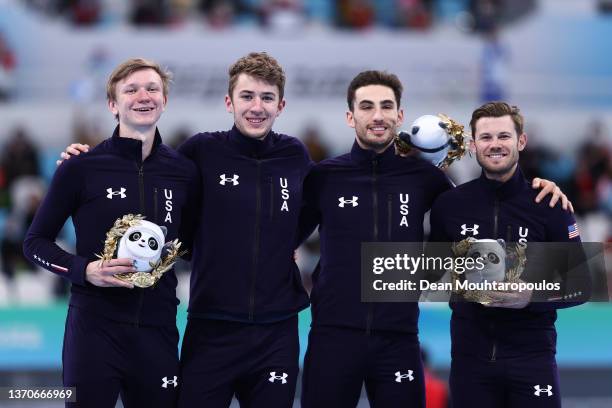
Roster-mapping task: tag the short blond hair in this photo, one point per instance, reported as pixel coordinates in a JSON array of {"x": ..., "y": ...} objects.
[{"x": 130, "y": 66}]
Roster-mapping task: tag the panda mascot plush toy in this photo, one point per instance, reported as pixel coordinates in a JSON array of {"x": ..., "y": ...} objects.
[
  {"x": 493, "y": 255},
  {"x": 144, "y": 243}
]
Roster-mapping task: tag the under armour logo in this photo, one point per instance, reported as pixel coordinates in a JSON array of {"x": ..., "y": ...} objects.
[
  {"x": 473, "y": 230},
  {"x": 352, "y": 202},
  {"x": 224, "y": 179},
  {"x": 111, "y": 193},
  {"x": 274, "y": 377},
  {"x": 547, "y": 390},
  {"x": 174, "y": 382},
  {"x": 399, "y": 376}
]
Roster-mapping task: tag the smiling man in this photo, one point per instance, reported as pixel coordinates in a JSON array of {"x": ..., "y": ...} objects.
[
  {"x": 246, "y": 290},
  {"x": 503, "y": 352},
  {"x": 355, "y": 198},
  {"x": 119, "y": 339}
]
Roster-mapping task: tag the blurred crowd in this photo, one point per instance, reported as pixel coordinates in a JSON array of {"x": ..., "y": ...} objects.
[{"x": 283, "y": 14}]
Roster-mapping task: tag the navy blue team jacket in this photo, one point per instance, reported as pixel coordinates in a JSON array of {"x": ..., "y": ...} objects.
[
  {"x": 243, "y": 266},
  {"x": 364, "y": 197},
  {"x": 95, "y": 189},
  {"x": 484, "y": 208}
]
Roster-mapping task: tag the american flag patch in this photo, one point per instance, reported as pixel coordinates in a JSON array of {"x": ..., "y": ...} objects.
[{"x": 572, "y": 231}]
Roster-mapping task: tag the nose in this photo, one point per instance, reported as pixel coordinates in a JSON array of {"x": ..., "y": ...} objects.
[
  {"x": 378, "y": 115},
  {"x": 143, "y": 94},
  {"x": 257, "y": 105}
]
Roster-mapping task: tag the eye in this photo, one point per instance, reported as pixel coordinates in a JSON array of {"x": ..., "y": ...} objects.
[
  {"x": 130, "y": 90},
  {"x": 134, "y": 236},
  {"x": 493, "y": 258},
  {"x": 153, "y": 244},
  {"x": 268, "y": 98},
  {"x": 246, "y": 97}
]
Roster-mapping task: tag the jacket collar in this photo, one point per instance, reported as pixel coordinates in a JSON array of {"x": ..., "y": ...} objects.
[
  {"x": 249, "y": 146},
  {"x": 505, "y": 189},
  {"x": 362, "y": 156},
  {"x": 132, "y": 148}
]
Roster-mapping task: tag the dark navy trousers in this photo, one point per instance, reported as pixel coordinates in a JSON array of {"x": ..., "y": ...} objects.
[
  {"x": 340, "y": 360},
  {"x": 529, "y": 381},
  {"x": 104, "y": 358},
  {"x": 256, "y": 362}
]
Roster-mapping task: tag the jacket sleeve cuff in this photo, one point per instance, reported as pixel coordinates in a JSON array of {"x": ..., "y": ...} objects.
[{"x": 76, "y": 274}]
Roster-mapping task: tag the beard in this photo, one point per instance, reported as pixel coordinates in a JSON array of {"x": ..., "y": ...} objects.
[{"x": 377, "y": 144}]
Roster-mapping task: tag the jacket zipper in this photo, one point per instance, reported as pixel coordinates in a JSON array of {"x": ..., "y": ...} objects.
[
  {"x": 389, "y": 215},
  {"x": 155, "y": 206},
  {"x": 256, "y": 241},
  {"x": 370, "y": 314},
  {"x": 271, "y": 198},
  {"x": 495, "y": 230},
  {"x": 142, "y": 212}
]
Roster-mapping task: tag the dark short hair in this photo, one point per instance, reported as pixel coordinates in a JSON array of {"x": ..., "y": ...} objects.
[
  {"x": 497, "y": 109},
  {"x": 366, "y": 78},
  {"x": 261, "y": 66}
]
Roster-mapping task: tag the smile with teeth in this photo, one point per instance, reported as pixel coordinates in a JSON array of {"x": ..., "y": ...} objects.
[
  {"x": 496, "y": 155},
  {"x": 143, "y": 109},
  {"x": 255, "y": 121}
]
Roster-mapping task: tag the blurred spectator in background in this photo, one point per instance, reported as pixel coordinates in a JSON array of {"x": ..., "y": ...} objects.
[
  {"x": 436, "y": 390},
  {"x": 81, "y": 12},
  {"x": 416, "y": 14},
  {"x": 286, "y": 16},
  {"x": 357, "y": 14},
  {"x": 494, "y": 68},
  {"x": 593, "y": 164},
  {"x": 26, "y": 194},
  {"x": 7, "y": 67},
  {"x": 486, "y": 14},
  {"x": 312, "y": 139},
  {"x": 19, "y": 158},
  {"x": 220, "y": 14},
  {"x": 149, "y": 12}
]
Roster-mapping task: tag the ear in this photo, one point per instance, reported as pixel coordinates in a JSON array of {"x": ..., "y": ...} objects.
[
  {"x": 350, "y": 120},
  {"x": 165, "y": 103},
  {"x": 472, "y": 146},
  {"x": 112, "y": 106},
  {"x": 522, "y": 141},
  {"x": 229, "y": 106},
  {"x": 400, "y": 117},
  {"x": 164, "y": 230},
  {"x": 281, "y": 106}
]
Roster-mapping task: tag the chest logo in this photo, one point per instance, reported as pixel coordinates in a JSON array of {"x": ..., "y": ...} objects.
[
  {"x": 539, "y": 390},
  {"x": 343, "y": 202},
  {"x": 233, "y": 180},
  {"x": 473, "y": 230},
  {"x": 399, "y": 376},
  {"x": 112, "y": 193},
  {"x": 284, "y": 193}
]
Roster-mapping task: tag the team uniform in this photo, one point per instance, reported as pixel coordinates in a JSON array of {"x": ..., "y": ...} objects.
[
  {"x": 502, "y": 357},
  {"x": 363, "y": 197},
  {"x": 117, "y": 340},
  {"x": 246, "y": 290}
]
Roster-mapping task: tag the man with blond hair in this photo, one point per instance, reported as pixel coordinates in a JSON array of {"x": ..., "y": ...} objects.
[{"x": 119, "y": 339}]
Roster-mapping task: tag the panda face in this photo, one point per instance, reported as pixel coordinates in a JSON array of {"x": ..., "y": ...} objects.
[
  {"x": 143, "y": 243},
  {"x": 137, "y": 238},
  {"x": 493, "y": 256}
]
